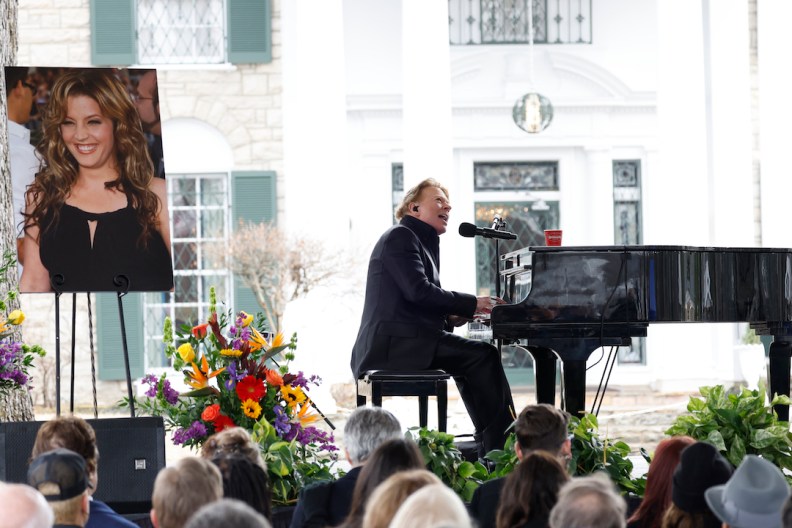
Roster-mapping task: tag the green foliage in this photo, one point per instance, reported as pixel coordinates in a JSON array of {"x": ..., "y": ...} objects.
[
  {"x": 590, "y": 453},
  {"x": 738, "y": 424},
  {"x": 291, "y": 465},
  {"x": 445, "y": 460}
]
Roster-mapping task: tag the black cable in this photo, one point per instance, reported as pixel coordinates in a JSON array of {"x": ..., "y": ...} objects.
[{"x": 601, "y": 395}]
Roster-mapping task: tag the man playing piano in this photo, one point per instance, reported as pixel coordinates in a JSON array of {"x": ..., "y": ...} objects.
[{"x": 408, "y": 318}]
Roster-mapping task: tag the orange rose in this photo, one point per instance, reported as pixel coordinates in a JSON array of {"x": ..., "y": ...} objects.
[
  {"x": 199, "y": 331},
  {"x": 211, "y": 413},
  {"x": 273, "y": 378}
]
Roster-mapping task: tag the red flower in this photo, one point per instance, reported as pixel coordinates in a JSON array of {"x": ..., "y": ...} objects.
[
  {"x": 223, "y": 422},
  {"x": 211, "y": 413},
  {"x": 199, "y": 331},
  {"x": 251, "y": 388}
]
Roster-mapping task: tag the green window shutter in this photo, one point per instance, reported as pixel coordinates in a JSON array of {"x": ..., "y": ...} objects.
[
  {"x": 253, "y": 200},
  {"x": 110, "y": 349},
  {"x": 113, "y": 34},
  {"x": 249, "y": 31}
]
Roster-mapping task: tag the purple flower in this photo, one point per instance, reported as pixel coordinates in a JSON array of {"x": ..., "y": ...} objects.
[
  {"x": 171, "y": 395},
  {"x": 182, "y": 436},
  {"x": 282, "y": 424},
  {"x": 302, "y": 382}
]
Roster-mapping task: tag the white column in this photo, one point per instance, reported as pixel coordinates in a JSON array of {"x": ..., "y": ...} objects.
[
  {"x": 427, "y": 92},
  {"x": 314, "y": 120},
  {"x": 316, "y": 195},
  {"x": 775, "y": 111}
]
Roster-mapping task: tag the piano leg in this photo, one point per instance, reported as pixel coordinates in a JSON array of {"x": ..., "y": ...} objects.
[
  {"x": 545, "y": 361},
  {"x": 575, "y": 387},
  {"x": 780, "y": 354}
]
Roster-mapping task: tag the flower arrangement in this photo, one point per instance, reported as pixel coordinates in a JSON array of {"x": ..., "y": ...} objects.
[
  {"x": 239, "y": 376},
  {"x": 16, "y": 357}
]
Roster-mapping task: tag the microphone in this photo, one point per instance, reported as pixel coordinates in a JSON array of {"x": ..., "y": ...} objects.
[
  {"x": 497, "y": 222},
  {"x": 470, "y": 230}
]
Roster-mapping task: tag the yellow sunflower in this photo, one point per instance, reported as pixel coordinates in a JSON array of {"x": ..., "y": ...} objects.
[{"x": 251, "y": 408}]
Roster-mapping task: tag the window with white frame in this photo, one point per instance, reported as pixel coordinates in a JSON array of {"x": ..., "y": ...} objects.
[
  {"x": 181, "y": 31},
  {"x": 125, "y": 32},
  {"x": 199, "y": 223}
]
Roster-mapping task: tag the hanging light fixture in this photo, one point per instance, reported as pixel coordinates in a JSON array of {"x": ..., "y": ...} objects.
[{"x": 532, "y": 112}]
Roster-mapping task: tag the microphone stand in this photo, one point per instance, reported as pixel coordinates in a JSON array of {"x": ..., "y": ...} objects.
[{"x": 497, "y": 224}]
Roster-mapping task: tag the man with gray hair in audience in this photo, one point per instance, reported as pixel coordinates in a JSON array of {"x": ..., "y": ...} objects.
[
  {"x": 327, "y": 504},
  {"x": 227, "y": 512},
  {"x": 589, "y": 502},
  {"x": 25, "y": 507}
]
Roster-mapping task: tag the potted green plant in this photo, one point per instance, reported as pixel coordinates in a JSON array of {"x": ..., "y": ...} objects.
[{"x": 738, "y": 424}]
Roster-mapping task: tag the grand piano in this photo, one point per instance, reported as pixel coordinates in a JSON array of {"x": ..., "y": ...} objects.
[{"x": 565, "y": 302}]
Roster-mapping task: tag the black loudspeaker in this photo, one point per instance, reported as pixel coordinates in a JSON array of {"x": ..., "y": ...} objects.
[{"x": 131, "y": 453}]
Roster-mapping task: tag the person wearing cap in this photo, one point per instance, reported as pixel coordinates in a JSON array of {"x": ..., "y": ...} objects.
[
  {"x": 73, "y": 432},
  {"x": 752, "y": 498},
  {"x": 30, "y": 508},
  {"x": 700, "y": 467},
  {"x": 61, "y": 475}
]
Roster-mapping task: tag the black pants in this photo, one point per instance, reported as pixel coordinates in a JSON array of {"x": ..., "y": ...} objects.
[{"x": 477, "y": 369}]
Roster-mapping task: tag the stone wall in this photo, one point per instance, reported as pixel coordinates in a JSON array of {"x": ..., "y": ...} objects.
[{"x": 243, "y": 102}]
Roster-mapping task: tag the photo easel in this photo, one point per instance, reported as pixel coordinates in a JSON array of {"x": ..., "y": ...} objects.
[{"x": 121, "y": 283}]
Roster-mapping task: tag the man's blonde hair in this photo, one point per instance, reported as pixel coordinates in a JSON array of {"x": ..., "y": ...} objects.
[
  {"x": 414, "y": 195},
  {"x": 181, "y": 489}
]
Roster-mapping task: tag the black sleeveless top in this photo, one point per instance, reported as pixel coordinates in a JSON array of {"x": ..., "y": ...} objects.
[{"x": 66, "y": 250}]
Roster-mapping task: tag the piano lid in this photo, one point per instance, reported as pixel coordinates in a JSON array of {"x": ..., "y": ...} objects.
[{"x": 636, "y": 285}]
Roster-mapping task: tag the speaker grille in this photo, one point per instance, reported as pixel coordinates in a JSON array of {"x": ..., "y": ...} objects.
[{"x": 131, "y": 453}]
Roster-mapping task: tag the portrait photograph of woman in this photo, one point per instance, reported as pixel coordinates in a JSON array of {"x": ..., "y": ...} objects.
[{"x": 96, "y": 216}]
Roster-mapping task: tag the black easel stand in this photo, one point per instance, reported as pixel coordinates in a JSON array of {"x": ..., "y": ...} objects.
[{"x": 121, "y": 283}]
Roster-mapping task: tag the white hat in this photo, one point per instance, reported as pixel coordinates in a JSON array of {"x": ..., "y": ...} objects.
[{"x": 753, "y": 497}]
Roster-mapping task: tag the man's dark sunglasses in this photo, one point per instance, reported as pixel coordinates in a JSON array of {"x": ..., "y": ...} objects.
[{"x": 32, "y": 88}]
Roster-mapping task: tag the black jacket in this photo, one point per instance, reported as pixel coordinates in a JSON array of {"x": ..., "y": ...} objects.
[
  {"x": 405, "y": 309},
  {"x": 325, "y": 504}
]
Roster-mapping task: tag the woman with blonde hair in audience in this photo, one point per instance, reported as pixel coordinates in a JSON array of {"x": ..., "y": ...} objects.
[
  {"x": 432, "y": 506},
  {"x": 233, "y": 441},
  {"x": 531, "y": 491},
  {"x": 389, "y": 495},
  {"x": 658, "y": 483},
  {"x": 388, "y": 459}
]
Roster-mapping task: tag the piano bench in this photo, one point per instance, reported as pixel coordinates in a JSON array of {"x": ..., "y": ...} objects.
[{"x": 375, "y": 384}]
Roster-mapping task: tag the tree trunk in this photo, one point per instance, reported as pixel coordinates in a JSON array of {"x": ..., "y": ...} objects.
[{"x": 15, "y": 406}]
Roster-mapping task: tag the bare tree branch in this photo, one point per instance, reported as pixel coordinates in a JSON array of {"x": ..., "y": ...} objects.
[{"x": 278, "y": 269}]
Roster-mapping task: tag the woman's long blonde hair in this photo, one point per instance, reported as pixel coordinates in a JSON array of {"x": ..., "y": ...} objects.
[{"x": 59, "y": 169}]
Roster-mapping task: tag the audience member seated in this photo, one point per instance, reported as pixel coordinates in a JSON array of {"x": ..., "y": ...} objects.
[
  {"x": 227, "y": 512},
  {"x": 389, "y": 495},
  {"x": 786, "y": 514},
  {"x": 327, "y": 504},
  {"x": 72, "y": 432},
  {"x": 62, "y": 477},
  {"x": 30, "y": 508},
  {"x": 180, "y": 490},
  {"x": 233, "y": 441},
  {"x": 432, "y": 506},
  {"x": 539, "y": 427},
  {"x": 658, "y": 483},
  {"x": 245, "y": 481},
  {"x": 700, "y": 467},
  {"x": 531, "y": 491},
  {"x": 753, "y": 497},
  {"x": 589, "y": 502},
  {"x": 388, "y": 459}
]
